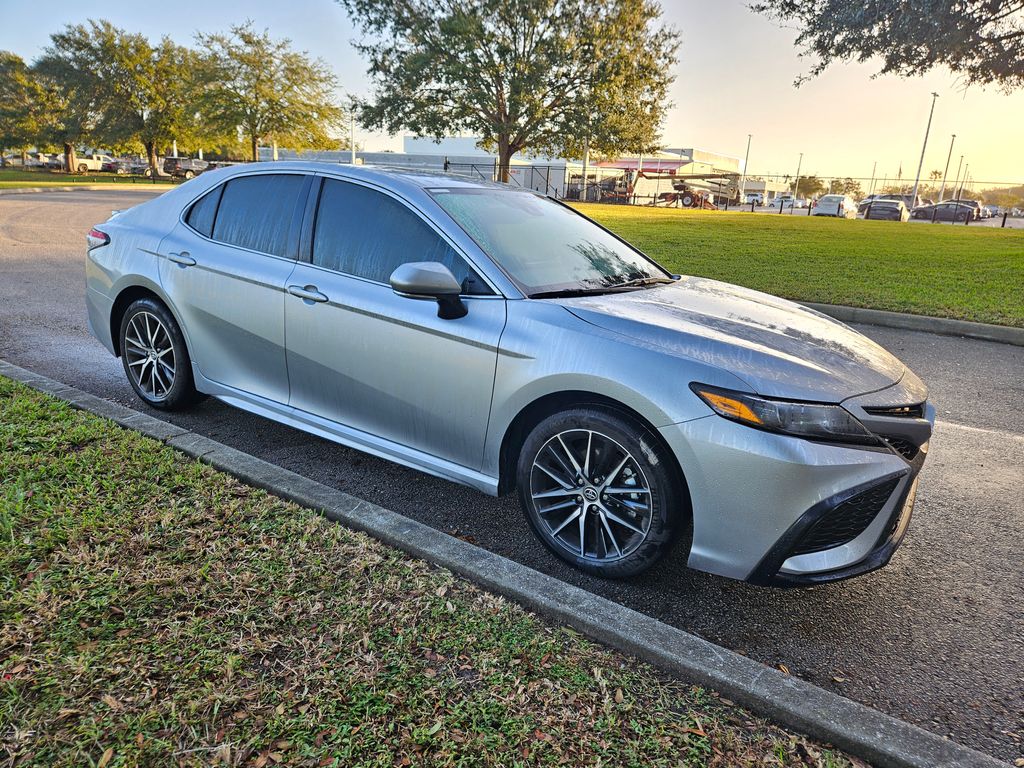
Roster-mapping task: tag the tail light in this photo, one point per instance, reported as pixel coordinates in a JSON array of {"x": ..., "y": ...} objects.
[{"x": 96, "y": 238}]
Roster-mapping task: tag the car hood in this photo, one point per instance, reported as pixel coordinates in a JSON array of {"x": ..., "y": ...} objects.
[{"x": 779, "y": 348}]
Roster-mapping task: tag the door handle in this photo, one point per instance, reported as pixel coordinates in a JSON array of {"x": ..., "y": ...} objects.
[
  {"x": 182, "y": 258},
  {"x": 307, "y": 293}
]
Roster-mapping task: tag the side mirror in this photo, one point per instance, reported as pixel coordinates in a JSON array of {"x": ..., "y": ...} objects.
[{"x": 430, "y": 280}]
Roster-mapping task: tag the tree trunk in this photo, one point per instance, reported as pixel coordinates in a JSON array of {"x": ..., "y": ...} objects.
[
  {"x": 70, "y": 161},
  {"x": 255, "y": 149},
  {"x": 24, "y": 157},
  {"x": 505, "y": 153},
  {"x": 151, "y": 158}
]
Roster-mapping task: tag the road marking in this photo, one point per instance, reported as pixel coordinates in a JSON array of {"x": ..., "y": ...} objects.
[{"x": 982, "y": 430}]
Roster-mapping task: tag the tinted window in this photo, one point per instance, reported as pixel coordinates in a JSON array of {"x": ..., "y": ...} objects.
[
  {"x": 257, "y": 211},
  {"x": 200, "y": 215},
  {"x": 368, "y": 234}
]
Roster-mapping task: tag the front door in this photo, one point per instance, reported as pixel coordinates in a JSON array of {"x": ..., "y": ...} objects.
[{"x": 360, "y": 355}]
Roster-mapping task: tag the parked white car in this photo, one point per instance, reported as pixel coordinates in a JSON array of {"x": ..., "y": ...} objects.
[
  {"x": 757, "y": 198},
  {"x": 785, "y": 201},
  {"x": 840, "y": 206}
]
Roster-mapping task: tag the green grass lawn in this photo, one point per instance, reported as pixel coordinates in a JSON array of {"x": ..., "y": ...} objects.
[
  {"x": 963, "y": 272},
  {"x": 154, "y": 611},
  {"x": 15, "y": 178}
]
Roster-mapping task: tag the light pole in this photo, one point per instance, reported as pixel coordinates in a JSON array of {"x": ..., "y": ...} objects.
[
  {"x": 743, "y": 179},
  {"x": 963, "y": 181},
  {"x": 957, "y": 179},
  {"x": 945, "y": 173},
  {"x": 874, "y": 168},
  {"x": 924, "y": 146},
  {"x": 796, "y": 184}
]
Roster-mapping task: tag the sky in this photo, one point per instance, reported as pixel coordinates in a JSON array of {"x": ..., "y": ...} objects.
[{"x": 734, "y": 77}]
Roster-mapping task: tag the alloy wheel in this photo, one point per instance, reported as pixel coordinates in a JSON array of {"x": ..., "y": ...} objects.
[
  {"x": 591, "y": 495},
  {"x": 150, "y": 355}
]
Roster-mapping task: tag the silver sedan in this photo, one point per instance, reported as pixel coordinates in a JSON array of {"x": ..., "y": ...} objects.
[{"x": 500, "y": 339}]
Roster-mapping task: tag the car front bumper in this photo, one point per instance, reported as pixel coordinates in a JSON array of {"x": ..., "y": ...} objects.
[{"x": 784, "y": 511}]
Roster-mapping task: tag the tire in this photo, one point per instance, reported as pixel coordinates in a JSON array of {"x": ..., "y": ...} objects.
[
  {"x": 624, "y": 533},
  {"x": 150, "y": 335},
  {"x": 188, "y": 175},
  {"x": 148, "y": 173},
  {"x": 687, "y": 201},
  {"x": 82, "y": 168},
  {"x": 961, "y": 217}
]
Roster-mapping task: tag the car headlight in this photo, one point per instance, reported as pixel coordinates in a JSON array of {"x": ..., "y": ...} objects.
[{"x": 815, "y": 421}]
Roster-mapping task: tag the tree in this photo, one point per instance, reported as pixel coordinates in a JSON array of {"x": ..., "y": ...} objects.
[
  {"x": 545, "y": 76},
  {"x": 71, "y": 103},
  {"x": 21, "y": 105},
  {"x": 981, "y": 40},
  {"x": 809, "y": 186},
  {"x": 935, "y": 175},
  {"x": 848, "y": 186},
  {"x": 266, "y": 90},
  {"x": 142, "y": 94}
]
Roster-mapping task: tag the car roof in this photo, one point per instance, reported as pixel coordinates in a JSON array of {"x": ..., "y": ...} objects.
[{"x": 385, "y": 175}]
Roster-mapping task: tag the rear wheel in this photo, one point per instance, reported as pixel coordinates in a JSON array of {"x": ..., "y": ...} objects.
[
  {"x": 599, "y": 492},
  {"x": 188, "y": 175},
  {"x": 82, "y": 168},
  {"x": 155, "y": 358}
]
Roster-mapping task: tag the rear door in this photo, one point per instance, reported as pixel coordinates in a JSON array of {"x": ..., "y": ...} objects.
[
  {"x": 224, "y": 267},
  {"x": 387, "y": 365}
]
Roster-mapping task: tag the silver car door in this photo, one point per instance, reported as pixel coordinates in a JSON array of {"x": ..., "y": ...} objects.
[{"x": 362, "y": 356}]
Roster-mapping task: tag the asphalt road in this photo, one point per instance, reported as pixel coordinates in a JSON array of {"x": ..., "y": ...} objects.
[{"x": 936, "y": 638}]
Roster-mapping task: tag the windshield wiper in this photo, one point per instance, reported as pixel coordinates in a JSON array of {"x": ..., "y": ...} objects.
[
  {"x": 565, "y": 293},
  {"x": 640, "y": 282}
]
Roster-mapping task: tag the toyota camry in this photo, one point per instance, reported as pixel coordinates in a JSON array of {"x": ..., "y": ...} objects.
[{"x": 500, "y": 339}]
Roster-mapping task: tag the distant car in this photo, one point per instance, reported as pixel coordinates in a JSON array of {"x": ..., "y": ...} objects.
[
  {"x": 951, "y": 210},
  {"x": 115, "y": 166},
  {"x": 974, "y": 205},
  {"x": 783, "y": 201},
  {"x": 840, "y": 206},
  {"x": 908, "y": 201},
  {"x": 994, "y": 210},
  {"x": 887, "y": 210},
  {"x": 184, "y": 167},
  {"x": 757, "y": 198},
  {"x": 92, "y": 162},
  {"x": 801, "y": 202}
]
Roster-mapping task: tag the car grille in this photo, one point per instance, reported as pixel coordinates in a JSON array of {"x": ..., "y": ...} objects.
[
  {"x": 902, "y": 446},
  {"x": 846, "y": 521}
]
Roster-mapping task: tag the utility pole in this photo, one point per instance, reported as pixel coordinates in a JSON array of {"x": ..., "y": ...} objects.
[
  {"x": 957, "y": 179},
  {"x": 945, "y": 173},
  {"x": 352, "y": 136},
  {"x": 924, "y": 146},
  {"x": 963, "y": 181},
  {"x": 796, "y": 184},
  {"x": 873, "y": 169},
  {"x": 743, "y": 179}
]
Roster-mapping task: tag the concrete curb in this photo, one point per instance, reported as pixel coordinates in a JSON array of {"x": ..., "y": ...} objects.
[
  {"x": 860, "y": 730},
  {"x": 940, "y": 325},
  {"x": 140, "y": 187}
]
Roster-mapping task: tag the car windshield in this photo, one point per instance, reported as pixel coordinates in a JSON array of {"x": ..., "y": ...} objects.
[{"x": 545, "y": 247}]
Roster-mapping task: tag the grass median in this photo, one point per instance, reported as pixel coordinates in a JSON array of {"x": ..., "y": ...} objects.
[
  {"x": 962, "y": 272},
  {"x": 19, "y": 178},
  {"x": 157, "y": 612}
]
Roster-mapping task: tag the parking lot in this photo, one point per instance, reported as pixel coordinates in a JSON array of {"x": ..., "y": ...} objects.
[
  {"x": 1012, "y": 222},
  {"x": 936, "y": 638}
]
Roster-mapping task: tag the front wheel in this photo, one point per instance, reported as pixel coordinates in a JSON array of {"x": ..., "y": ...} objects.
[
  {"x": 600, "y": 492},
  {"x": 82, "y": 168},
  {"x": 155, "y": 358}
]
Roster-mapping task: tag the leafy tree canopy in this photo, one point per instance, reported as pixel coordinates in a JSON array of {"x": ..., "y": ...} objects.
[
  {"x": 543, "y": 76},
  {"x": 266, "y": 90},
  {"x": 809, "y": 186},
  {"x": 21, "y": 103},
  {"x": 981, "y": 40}
]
